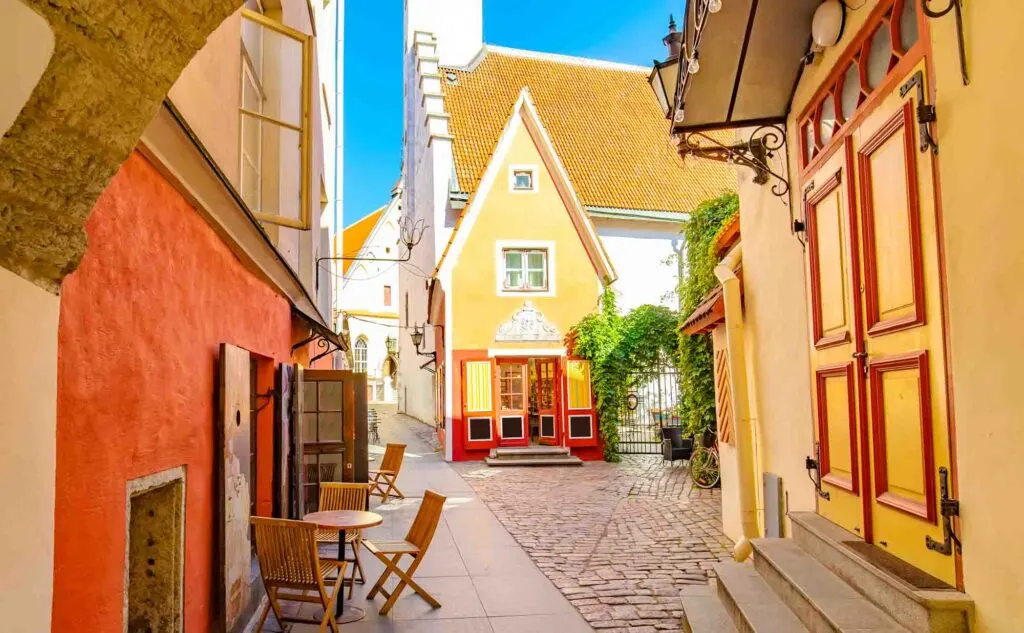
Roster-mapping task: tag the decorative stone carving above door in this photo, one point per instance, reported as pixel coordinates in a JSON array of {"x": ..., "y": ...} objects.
[{"x": 527, "y": 324}]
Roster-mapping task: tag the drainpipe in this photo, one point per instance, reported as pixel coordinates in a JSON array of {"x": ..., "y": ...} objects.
[{"x": 735, "y": 343}]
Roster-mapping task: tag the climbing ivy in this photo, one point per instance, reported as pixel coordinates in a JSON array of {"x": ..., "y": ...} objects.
[
  {"x": 617, "y": 345},
  {"x": 696, "y": 359}
]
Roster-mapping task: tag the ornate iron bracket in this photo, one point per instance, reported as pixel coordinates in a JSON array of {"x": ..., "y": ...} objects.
[
  {"x": 757, "y": 153},
  {"x": 957, "y": 6},
  {"x": 322, "y": 342}
]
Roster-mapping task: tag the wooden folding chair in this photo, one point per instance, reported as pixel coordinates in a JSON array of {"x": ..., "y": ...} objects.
[
  {"x": 394, "y": 454},
  {"x": 335, "y": 496},
  {"x": 416, "y": 543},
  {"x": 289, "y": 561}
]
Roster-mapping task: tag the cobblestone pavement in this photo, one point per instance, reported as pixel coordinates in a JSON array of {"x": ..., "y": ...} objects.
[{"x": 619, "y": 540}]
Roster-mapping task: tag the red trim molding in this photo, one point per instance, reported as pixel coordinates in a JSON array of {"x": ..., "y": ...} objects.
[
  {"x": 902, "y": 362},
  {"x": 902, "y": 120},
  {"x": 842, "y": 370}
]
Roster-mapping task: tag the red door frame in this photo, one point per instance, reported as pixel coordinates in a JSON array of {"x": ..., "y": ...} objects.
[
  {"x": 492, "y": 441},
  {"x": 523, "y": 412},
  {"x": 553, "y": 410}
]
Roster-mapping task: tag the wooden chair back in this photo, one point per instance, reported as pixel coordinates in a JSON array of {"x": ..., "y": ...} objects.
[
  {"x": 287, "y": 553},
  {"x": 421, "y": 532},
  {"x": 394, "y": 454},
  {"x": 336, "y": 496}
]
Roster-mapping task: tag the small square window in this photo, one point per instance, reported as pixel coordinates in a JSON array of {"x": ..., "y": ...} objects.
[
  {"x": 526, "y": 269},
  {"x": 522, "y": 180}
]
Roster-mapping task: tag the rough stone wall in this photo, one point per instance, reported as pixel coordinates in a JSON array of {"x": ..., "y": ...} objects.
[{"x": 113, "y": 63}]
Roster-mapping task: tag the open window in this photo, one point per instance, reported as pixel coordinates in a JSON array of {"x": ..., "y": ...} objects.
[
  {"x": 580, "y": 418},
  {"x": 478, "y": 404},
  {"x": 274, "y": 141}
]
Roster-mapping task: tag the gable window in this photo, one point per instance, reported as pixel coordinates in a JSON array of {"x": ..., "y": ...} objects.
[
  {"x": 522, "y": 178},
  {"x": 359, "y": 356},
  {"x": 525, "y": 269},
  {"x": 387, "y": 295}
]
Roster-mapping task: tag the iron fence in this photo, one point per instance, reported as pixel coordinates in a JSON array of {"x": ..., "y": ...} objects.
[{"x": 651, "y": 402}]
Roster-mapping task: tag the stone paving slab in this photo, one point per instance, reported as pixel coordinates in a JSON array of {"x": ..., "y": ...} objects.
[{"x": 620, "y": 541}]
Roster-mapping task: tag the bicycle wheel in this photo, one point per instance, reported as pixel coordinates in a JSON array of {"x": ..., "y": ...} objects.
[{"x": 704, "y": 467}]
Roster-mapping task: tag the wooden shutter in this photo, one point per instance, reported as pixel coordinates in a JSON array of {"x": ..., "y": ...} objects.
[
  {"x": 478, "y": 404},
  {"x": 233, "y": 463},
  {"x": 580, "y": 418}
]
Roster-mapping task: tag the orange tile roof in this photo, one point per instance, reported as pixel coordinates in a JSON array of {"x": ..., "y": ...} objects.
[
  {"x": 604, "y": 122},
  {"x": 353, "y": 238}
]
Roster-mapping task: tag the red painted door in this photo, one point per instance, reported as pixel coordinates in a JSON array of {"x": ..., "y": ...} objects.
[
  {"x": 547, "y": 401},
  {"x": 513, "y": 381},
  {"x": 580, "y": 418}
]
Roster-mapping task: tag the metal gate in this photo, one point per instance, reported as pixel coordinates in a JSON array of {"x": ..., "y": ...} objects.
[{"x": 651, "y": 402}]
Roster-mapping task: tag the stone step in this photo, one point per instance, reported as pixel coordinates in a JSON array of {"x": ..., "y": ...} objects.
[
  {"x": 918, "y": 610},
  {"x": 529, "y": 451},
  {"x": 819, "y": 598},
  {"x": 702, "y": 611},
  {"x": 751, "y": 603},
  {"x": 566, "y": 460}
]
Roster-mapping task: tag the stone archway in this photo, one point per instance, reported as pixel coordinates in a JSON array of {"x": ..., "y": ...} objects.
[{"x": 112, "y": 64}]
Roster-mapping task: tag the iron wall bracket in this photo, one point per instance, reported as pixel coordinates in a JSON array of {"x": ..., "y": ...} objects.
[
  {"x": 957, "y": 6},
  {"x": 756, "y": 153}
]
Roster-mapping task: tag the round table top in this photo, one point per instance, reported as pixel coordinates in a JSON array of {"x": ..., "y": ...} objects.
[{"x": 344, "y": 519}]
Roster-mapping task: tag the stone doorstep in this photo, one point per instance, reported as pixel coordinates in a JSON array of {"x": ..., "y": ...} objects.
[
  {"x": 819, "y": 598},
  {"x": 751, "y": 603},
  {"x": 529, "y": 450},
  {"x": 537, "y": 461},
  {"x": 703, "y": 612},
  {"x": 920, "y": 611}
]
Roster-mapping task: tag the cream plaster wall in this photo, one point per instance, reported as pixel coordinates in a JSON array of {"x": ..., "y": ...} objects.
[
  {"x": 28, "y": 425},
  {"x": 980, "y": 165},
  {"x": 775, "y": 312},
  {"x": 732, "y": 524},
  {"x": 644, "y": 256},
  {"x": 26, "y": 37}
]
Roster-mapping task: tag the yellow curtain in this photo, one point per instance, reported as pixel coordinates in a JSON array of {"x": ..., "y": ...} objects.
[
  {"x": 478, "y": 386},
  {"x": 578, "y": 374}
]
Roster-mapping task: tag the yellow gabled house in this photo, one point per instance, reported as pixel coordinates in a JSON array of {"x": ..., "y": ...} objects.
[{"x": 540, "y": 179}]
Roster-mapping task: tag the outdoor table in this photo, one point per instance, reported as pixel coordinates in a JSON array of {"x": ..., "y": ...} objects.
[{"x": 343, "y": 520}]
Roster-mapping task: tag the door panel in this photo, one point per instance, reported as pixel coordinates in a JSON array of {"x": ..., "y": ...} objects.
[
  {"x": 547, "y": 400},
  {"x": 907, "y": 417},
  {"x": 478, "y": 404},
  {"x": 832, "y": 277},
  {"x": 513, "y": 394},
  {"x": 580, "y": 419}
]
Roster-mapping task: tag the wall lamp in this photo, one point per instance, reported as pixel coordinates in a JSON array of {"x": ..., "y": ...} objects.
[{"x": 417, "y": 339}]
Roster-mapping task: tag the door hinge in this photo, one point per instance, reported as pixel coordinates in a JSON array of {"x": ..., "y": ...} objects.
[
  {"x": 812, "y": 463},
  {"x": 926, "y": 114},
  {"x": 948, "y": 508}
]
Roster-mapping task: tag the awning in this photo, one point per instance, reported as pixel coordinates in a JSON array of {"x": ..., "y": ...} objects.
[
  {"x": 750, "y": 57},
  {"x": 707, "y": 315}
]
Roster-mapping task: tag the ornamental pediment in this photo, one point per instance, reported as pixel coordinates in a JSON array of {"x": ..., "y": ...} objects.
[{"x": 527, "y": 324}]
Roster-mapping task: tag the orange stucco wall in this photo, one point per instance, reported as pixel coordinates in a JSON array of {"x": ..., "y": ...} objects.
[{"x": 140, "y": 325}]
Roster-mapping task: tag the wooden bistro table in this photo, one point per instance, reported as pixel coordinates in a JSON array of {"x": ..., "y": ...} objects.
[{"x": 344, "y": 520}]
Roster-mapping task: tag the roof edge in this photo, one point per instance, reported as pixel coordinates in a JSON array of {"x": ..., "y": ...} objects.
[{"x": 550, "y": 57}]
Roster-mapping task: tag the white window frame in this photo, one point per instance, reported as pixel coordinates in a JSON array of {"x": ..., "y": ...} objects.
[
  {"x": 366, "y": 355},
  {"x": 512, "y": 169},
  {"x": 500, "y": 246}
]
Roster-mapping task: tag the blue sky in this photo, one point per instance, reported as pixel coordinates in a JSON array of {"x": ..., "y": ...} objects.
[{"x": 627, "y": 31}]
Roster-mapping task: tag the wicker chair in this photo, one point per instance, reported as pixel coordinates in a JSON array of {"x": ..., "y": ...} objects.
[
  {"x": 417, "y": 541},
  {"x": 292, "y": 570},
  {"x": 335, "y": 496}
]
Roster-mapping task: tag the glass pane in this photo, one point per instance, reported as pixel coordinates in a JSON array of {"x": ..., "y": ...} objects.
[
  {"x": 280, "y": 155},
  {"x": 250, "y": 92},
  {"x": 523, "y": 180},
  {"x": 828, "y": 119},
  {"x": 513, "y": 278},
  {"x": 850, "y": 98},
  {"x": 879, "y": 55},
  {"x": 250, "y": 185},
  {"x": 277, "y": 60},
  {"x": 513, "y": 259},
  {"x": 808, "y": 140},
  {"x": 536, "y": 279},
  {"x": 535, "y": 260},
  {"x": 908, "y": 25}
]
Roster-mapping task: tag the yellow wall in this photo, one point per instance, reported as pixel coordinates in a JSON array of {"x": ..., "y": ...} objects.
[
  {"x": 732, "y": 524},
  {"x": 28, "y": 428},
  {"x": 775, "y": 313},
  {"x": 980, "y": 165},
  {"x": 477, "y": 310}
]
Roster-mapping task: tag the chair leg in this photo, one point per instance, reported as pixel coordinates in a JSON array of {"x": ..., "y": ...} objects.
[
  {"x": 357, "y": 568},
  {"x": 272, "y": 603},
  {"x": 392, "y": 490},
  {"x": 263, "y": 618},
  {"x": 406, "y": 580},
  {"x": 389, "y": 566}
]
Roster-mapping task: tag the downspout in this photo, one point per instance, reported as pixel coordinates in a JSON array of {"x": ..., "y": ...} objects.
[{"x": 736, "y": 346}]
